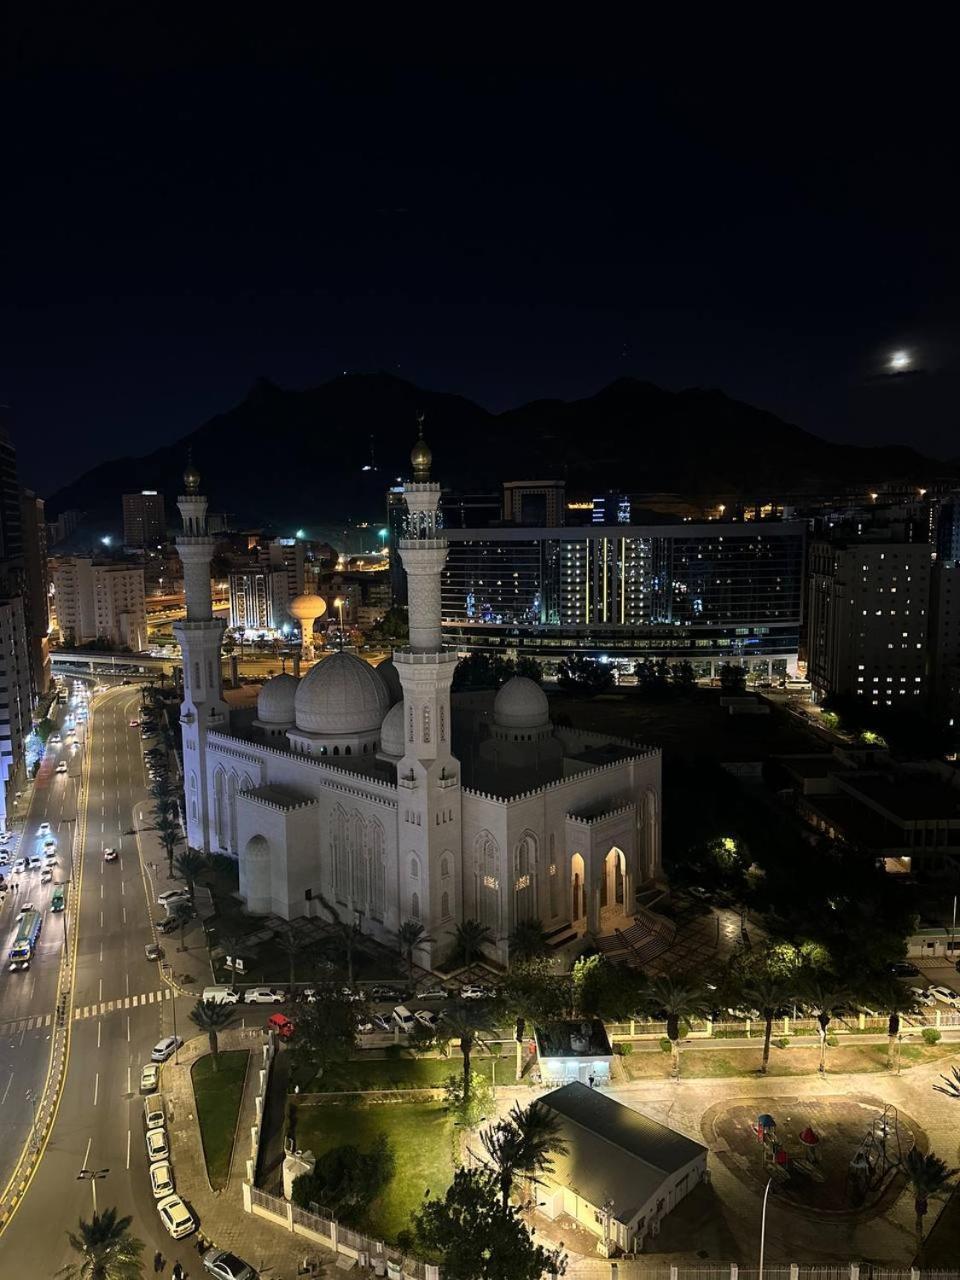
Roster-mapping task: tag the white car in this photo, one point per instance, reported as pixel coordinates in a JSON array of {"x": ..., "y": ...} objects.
[
  {"x": 264, "y": 995},
  {"x": 166, "y": 1048},
  {"x": 923, "y": 996},
  {"x": 46, "y": 876},
  {"x": 403, "y": 1018},
  {"x": 5, "y": 837},
  {"x": 173, "y": 895},
  {"x": 946, "y": 995},
  {"x": 34, "y": 862},
  {"x": 176, "y": 1217},
  {"x": 157, "y": 1146},
  {"x": 55, "y": 739},
  {"x": 62, "y": 767},
  {"x": 109, "y": 855},
  {"x": 44, "y": 828},
  {"x": 426, "y": 1019},
  {"x": 471, "y": 992},
  {"x": 149, "y": 1078},
  {"x": 161, "y": 1179}
]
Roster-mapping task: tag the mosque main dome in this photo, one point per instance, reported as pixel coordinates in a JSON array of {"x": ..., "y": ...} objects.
[
  {"x": 521, "y": 704},
  {"x": 275, "y": 701},
  {"x": 342, "y": 695}
]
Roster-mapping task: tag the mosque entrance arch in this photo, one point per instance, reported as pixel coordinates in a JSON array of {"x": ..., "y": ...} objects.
[
  {"x": 613, "y": 883},
  {"x": 578, "y": 903}
]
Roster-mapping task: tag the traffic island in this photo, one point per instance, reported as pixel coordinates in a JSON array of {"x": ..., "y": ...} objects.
[{"x": 218, "y": 1094}]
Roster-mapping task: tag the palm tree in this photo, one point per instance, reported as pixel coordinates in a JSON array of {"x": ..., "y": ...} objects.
[
  {"x": 106, "y": 1248},
  {"x": 524, "y": 1142},
  {"x": 293, "y": 946},
  {"x": 189, "y": 866},
  {"x": 827, "y": 998},
  {"x": 345, "y": 933},
  {"x": 528, "y": 941},
  {"x": 950, "y": 1087},
  {"x": 676, "y": 1000},
  {"x": 410, "y": 936},
  {"x": 234, "y": 945},
  {"x": 212, "y": 1016},
  {"x": 168, "y": 828},
  {"x": 927, "y": 1175},
  {"x": 771, "y": 995},
  {"x": 463, "y": 1022},
  {"x": 470, "y": 936},
  {"x": 182, "y": 912}
]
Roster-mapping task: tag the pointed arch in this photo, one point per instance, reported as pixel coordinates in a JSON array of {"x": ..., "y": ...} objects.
[
  {"x": 378, "y": 870},
  {"x": 232, "y": 787},
  {"x": 220, "y": 807},
  {"x": 486, "y": 863}
]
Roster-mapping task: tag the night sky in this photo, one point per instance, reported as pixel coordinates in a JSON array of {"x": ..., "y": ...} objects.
[{"x": 185, "y": 212}]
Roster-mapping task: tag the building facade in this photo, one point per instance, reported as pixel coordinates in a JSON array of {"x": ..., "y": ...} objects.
[
  {"x": 37, "y": 616},
  {"x": 349, "y": 783},
  {"x": 99, "y": 602},
  {"x": 144, "y": 519}
]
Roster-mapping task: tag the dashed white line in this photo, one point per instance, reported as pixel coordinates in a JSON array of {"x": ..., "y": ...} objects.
[
  {"x": 128, "y": 1148},
  {"x": 99, "y": 1026}
]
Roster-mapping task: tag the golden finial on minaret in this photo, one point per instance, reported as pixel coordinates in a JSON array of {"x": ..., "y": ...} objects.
[
  {"x": 420, "y": 455},
  {"x": 191, "y": 476}
]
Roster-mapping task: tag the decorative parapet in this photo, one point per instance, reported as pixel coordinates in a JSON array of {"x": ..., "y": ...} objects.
[
  {"x": 592, "y": 772},
  {"x": 601, "y": 817},
  {"x": 278, "y": 806},
  {"x": 378, "y": 791}
]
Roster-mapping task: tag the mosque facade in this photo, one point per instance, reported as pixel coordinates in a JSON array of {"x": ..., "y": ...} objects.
[{"x": 348, "y": 786}]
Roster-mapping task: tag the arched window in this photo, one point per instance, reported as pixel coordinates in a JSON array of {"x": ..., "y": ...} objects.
[
  {"x": 378, "y": 875},
  {"x": 487, "y": 880},
  {"x": 193, "y": 796},
  {"x": 336, "y": 751},
  {"x": 445, "y": 906},
  {"x": 444, "y": 867},
  {"x": 414, "y": 906},
  {"x": 346, "y": 751},
  {"x": 232, "y": 813},
  {"x": 414, "y": 868},
  {"x": 219, "y": 808}
]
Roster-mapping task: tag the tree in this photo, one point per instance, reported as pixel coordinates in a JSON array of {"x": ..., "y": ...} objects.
[
  {"x": 464, "y": 1022},
  {"x": 530, "y": 668},
  {"x": 107, "y": 1249},
  {"x": 676, "y": 1000},
  {"x": 528, "y": 941},
  {"x": 475, "y": 1238},
  {"x": 950, "y": 1087},
  {"x": 895, "y": 1000},
  {"x": 326, "y": 1034},
  {"x": 293, "y": 946},
  {"x": 771, "y": 994},
  {"x": 189, "y": 866},
  {"x": 345, "y": 1179},
  {"x": 237, "y": 947},
  {"x": 523, "y": 1143},
  {"x": 480, "y": 670},
  {"x": 470, "y": 936},
  {"x": 410, "y": 936},
  {"x": 344, "y": 933},
  {"x": 531, "y": 991},
  {"x": 683, "y": 677},
  {"x": 168, "y": 828},
  {"x": 604, "y": 990},
  {"x": 393, "y": 628},
  {"x": 927, "y": 1175},
  {"x": 584, "y": 675},
  {"x": 826, "y": 997},
  {"x": 182, "y": 912},
  {"x": 733, "y": 679},
  {"x": 213, "y": 1016}
]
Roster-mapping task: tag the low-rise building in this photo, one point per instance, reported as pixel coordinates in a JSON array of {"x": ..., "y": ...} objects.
[{"x": 573, "y": 1051}]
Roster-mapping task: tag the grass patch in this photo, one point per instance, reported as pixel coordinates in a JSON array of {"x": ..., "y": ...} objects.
[
  {"x": 218, "y": 1095},
  {"x": 421, "y": 1134},
  {"x": 407, "y": 1073},
  {"x": 845, "y": 1058}
]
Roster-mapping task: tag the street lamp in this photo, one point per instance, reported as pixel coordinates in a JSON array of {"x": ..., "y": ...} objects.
[
  {"x": 166, "y": 968},
  {"x": 91, "y": 1176},
  {"x": 763, "y": 1226},
  {"x": 338, "y": 605}
]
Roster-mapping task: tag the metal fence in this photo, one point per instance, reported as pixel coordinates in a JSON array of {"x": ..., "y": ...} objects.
[{"x": 639, "y": 1269}]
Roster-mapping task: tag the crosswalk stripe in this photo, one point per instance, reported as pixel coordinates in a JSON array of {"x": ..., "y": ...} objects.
[
  {"x": 126, "y": 1003},
  {"x": 48, "y": 1020},
  {"x": 151, "y": 997},
  {"x": 77, "y": 1013}
]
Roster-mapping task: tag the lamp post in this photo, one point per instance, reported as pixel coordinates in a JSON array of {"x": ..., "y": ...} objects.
[
  {"x": 167, "y": 970},
  {"x": 338, "y": 605},
  {"x": 91, "y": 1176},
  {"x": 32, "y": 1099},
  {"x": 763, "y": 1226}
]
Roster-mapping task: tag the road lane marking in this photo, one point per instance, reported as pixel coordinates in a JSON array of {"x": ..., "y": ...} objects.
[
  {"x": 7, "y": 1090},
  {"x": 96, "y": 1089},
  {"x": 99, "y": 1028},
  {"x": 128, "y": 1041},
  {"x": 128, "y": 1148},
  {"x": 86, "y": 1154}
]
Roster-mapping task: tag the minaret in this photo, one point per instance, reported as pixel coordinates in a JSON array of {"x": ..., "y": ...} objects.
[
  {"x": 428, "y": 776},
  {"x": 200, "y": 636}
]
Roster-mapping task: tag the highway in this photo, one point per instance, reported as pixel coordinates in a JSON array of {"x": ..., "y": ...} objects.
[{"x": 120, "y": 1008}]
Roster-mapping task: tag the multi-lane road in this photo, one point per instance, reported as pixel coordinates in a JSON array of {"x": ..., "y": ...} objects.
[{"x": 119, "y": 1008}]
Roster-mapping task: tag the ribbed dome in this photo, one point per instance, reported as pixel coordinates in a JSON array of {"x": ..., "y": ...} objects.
[
  {"x": 391, "y": 732},
  {"x": 390, "y": 677},
  {"x": 521, "y": 704},
  {"x": 341, "y": 695},
  {"x": 275, "y": 702}
]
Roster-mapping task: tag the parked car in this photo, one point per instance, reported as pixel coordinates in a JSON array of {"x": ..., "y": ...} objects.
[
  {"x": 365, "y": 1028},
  {"x": 427, "y": 1019},
  {"x": 923, "y": 996},
  {"x": 62, "y": 767},
  {"x": 34, "y": 863},
  {"x": 433, "y": 993},
  {"x": 227, "y": 1266},
  {"x": 46, "y": 876},
  {"x": 176, "y": 1217},
  {"x": 153, "y": 951},
  {"x": 351, "y": 994},
  {"x": 149, "y": 1078},
  {"x": 222, "y": 995},
  {"x": 157, "y": 1145},
  {"x": 904, "y": 969},
  {"x": 173, "y": 895},
  {"x": 946, "y": 995},
  {"x": 381, "y": 1022},
  {"x": 282, "y": 1025},
  {"x": 391, "y": 995},
  {"x": 44, "y": 828},
  {"x": 168, "y": 925},
  {"x": 153, "y": 1113},
  {"x": 166, "y": 1048},
  {"x": 474, "y": 992},
  {"x": 19, "y": 866},
  {"x": 161, "y": 1179},
  {"x": 403, "y": 1018},
  {"x": 264, "y": 995}
]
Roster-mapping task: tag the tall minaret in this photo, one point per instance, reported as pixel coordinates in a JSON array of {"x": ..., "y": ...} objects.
[
  {"x": 200, "y": 636},
  {"x": 428, "y": 776}
]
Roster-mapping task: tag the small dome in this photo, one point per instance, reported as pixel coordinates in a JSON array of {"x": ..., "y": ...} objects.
[
  {"x": 420, "y": 455},
  {"x": 391, "y": 732},
  {"x": 341, "y": 695},
  {"x": 307, "y": 608},
  {"x": 390, "y": 677},
  {"x": 276, "y": 699},
  {"x": 521, "y": 704}
]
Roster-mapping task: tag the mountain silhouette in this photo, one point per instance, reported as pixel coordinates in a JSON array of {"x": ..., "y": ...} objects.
[{"x": 283, "y": 457}]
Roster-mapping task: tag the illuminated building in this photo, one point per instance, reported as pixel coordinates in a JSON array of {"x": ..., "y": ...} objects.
[
  {"x": 144, "y": 520},
  {"x": 99, "y": 602}
]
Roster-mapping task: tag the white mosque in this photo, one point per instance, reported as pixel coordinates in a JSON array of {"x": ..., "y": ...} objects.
[{"x": 349, "y": 782}]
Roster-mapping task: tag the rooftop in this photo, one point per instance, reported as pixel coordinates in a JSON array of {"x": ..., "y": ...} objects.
[
  {"x": 908, "y": 799},
  {"x": 572, "y": 1040}
]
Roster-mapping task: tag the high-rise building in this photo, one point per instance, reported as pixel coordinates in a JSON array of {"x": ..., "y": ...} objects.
[
  {"x": 144, "y": 521},
  {"x": 536, "y": 503},
  {"x": 36, "y": 613},
  {"x": 99, "y": 602},
  {"x": 868, "y": 619},
  {"x": 259, "y": 598},
  {"x": 60, "y": 529}
]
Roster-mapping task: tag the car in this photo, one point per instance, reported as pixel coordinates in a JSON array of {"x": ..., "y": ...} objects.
[
  {"x": 149, "y": 1078},
  {"x": 433, "y": 993},
  {"x": 227, "y": 1266},
  {"x": 50, "y": 856},
  {"x": 62, "y": 767},
  {"x": 34, "y": 862},
  {"x": 49, "y": 843},
  {"x": 19, "y": 866},
  {"x": 167, "y": 925},
  {"x": 172, "y": 895},
  {"x": 946, "y": 995},
  {"x": 24, "y": 908},
  {"x": 44, "y": 828},
  {"x": 109, "y": 855},
  {"x": 426, "y": 1018},
  {"x": 282, "y": 1025},
  {"x": 365, "y": 1028},
  {"x": 176, "y": 1217},
  {"x": 46, "y": 875},
  {"x": 389, "y": 995},
  {"x": 19, "y": 966},
  {"x": 157, "y": 1146},
  {"x": 381, "y": 1022},
  {"x": 54, "y": 739},
  {"x": 309, "y": 995},
  {"x": 474, "y": 992},
  {"x": 264, "y": 995},
  {"x": 922, "y": 996},
  {"x": 4, "y": 857},
  {"x": 153, "y": 951},
  {"x": 904, "y": 969},
  {"x": 161, "y": 1179},
  {"x": 6, "y": 837},
  {"x": 166, "y": 1048},
  {"x": 134, "y": 724},
  {"x": 403, "y": 1018}
]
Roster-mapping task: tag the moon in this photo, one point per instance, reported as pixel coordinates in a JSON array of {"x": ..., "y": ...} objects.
[{"x": 900, "y": 360}]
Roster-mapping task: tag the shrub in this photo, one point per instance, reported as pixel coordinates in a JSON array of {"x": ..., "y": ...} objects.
[
  {"x": 930, "y": 1035},
  {"x": 782, "y": 1042},
  {"x": 665, "y": 1044},
  {"x": 832, "y": 1041},
  {"x": 624, "y": 1048}
]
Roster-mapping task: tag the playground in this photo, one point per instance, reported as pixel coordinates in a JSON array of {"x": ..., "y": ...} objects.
[{"x": 828, "y": 1155}]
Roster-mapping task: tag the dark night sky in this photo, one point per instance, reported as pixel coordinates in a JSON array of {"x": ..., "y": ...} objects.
[{"x": 183, "y": 215}]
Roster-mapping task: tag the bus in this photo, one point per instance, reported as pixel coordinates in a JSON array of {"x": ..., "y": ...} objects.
[
  {"x": 56, "y": 902},
  {"x": 27, "y": 934}
]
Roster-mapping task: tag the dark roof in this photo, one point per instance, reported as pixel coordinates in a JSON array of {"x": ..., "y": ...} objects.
[
  {"x": 613, "y": 1151},
  {"x": 908, "y": 798},
  {"x": 555, "y": 1040}
]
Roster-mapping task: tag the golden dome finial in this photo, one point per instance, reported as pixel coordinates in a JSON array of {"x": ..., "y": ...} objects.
[
  {"x": 191, "y": 476},
  {"x": 420, "y": 455}
]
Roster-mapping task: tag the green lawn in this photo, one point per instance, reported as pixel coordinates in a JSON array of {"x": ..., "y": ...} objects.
[
  {"x": 407, "y": 1073},
  {"x": 218, "y": 1095},
  {"x": 421, "y": 1134},
  {"x": 793, "y": 1061}
]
